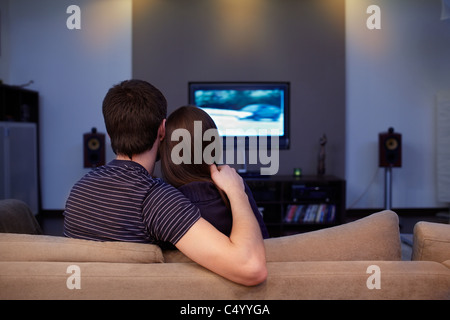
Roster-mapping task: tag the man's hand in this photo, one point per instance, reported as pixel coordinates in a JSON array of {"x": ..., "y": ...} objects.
[
  {"x": 227, "y": 179},
  {"x": 240, "y": 257}
]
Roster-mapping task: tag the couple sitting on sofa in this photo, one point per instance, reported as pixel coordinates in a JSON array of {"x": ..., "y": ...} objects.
[{"x": 211, "y": 217}]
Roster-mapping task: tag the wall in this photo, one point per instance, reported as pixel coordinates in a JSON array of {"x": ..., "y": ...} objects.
[
  {"x": 303, "y": 42},
  {"x": 72, "y": 70},
  {"x": 393, "y": 76}
]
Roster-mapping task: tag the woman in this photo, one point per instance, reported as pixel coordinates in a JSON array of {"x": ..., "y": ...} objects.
[{"x": 193, "y": 177}]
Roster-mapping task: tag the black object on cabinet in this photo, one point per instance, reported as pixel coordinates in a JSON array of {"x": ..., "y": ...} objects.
[{"x": 18, "y": 104}]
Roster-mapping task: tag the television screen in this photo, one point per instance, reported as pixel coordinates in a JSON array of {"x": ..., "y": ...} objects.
[{"x": 245, "y": 109}]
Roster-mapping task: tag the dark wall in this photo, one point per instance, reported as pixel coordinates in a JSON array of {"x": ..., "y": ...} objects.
[{"x": 300, "y": 41}]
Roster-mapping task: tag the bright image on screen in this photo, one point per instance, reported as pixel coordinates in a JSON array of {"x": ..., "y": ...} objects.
[{"x": 244, "y": 112}]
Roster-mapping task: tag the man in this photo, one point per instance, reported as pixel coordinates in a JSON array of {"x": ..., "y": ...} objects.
[{"x": 122, "y": 201}]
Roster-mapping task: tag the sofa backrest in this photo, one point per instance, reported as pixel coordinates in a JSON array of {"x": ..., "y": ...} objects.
[
  {"x": 26, "y": 247},
  {"x": 375, "y": 237}
]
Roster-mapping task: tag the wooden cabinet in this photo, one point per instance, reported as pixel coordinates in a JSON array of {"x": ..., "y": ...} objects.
[{"x": 297, "y": 204}]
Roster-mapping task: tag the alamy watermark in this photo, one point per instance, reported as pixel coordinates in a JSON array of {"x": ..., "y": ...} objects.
[
  {"x": 74, "y": 280},
  {"x": 259, "y": 150},
  {"x": 73, "y": 22},
  {"x": 373, "y": 22},
  {"x": 374, "y": 280}
]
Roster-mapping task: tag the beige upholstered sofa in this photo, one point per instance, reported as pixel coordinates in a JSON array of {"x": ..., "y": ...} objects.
[{"x": 357, "y": 260}]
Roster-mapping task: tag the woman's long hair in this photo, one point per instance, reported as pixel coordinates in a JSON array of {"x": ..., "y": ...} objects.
[{"x": 184, "y": 173}]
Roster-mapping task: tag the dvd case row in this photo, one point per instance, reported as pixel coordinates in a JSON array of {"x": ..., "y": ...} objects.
[{"x": 310, "y": 213}]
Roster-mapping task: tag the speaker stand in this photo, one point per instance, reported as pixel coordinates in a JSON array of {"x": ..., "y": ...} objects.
[{"x": 388, "y": 188}]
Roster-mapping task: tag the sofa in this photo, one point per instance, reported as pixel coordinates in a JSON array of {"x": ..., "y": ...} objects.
[{"x": 353, "y": 261}]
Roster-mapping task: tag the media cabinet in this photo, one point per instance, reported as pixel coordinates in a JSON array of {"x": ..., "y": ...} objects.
[{"x": 293, "y": 205}]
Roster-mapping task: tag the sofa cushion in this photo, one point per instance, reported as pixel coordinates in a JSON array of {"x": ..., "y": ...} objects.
[
  {"x": 25, "y": 247},
  {"x": 431, "y": 241},
  {"x": 375, "y": 237}
]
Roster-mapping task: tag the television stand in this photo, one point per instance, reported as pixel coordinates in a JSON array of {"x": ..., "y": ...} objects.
[
  {"x": 251, "y": 174},
  {"x": 293, "y": 205}
]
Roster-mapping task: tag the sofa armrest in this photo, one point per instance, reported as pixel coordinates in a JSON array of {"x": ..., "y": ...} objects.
[
  {"x": 16, "y": 217},
  {"x": 431, "y": 241}
]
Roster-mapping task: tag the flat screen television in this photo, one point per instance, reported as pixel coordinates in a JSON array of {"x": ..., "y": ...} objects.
[{"x": 246, "y": 109}]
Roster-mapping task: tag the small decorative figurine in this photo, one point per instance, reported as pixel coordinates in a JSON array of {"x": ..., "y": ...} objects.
[{"x": 321, "y": 162}]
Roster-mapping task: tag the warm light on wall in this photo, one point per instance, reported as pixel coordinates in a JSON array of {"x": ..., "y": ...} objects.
[
  {"x": 99, "y": 27},
  {"x": 330, "y": 10},
  {"x": 142, "y": 7},
  {"x": 240, "y": 23}
]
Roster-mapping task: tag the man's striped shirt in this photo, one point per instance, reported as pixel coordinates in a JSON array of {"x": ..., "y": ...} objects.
[{"x": 121, "y": 201}]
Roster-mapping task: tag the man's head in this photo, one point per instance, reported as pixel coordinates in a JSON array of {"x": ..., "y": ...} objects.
[{"x": 133, "y": 111}]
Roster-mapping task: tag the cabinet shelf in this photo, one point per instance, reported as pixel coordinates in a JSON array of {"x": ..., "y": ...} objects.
[{"x": 297, "y": 204}]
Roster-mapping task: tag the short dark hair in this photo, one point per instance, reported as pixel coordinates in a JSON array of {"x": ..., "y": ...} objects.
[{"x": 133, "y": 110}]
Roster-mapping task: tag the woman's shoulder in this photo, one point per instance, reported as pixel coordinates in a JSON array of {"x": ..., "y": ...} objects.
[{"x": 200, "y": 191}]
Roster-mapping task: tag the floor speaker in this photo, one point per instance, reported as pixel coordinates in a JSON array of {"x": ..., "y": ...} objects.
[
  {"x": 390, "y": 149},
  {"x": 94, "y": 149}
]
